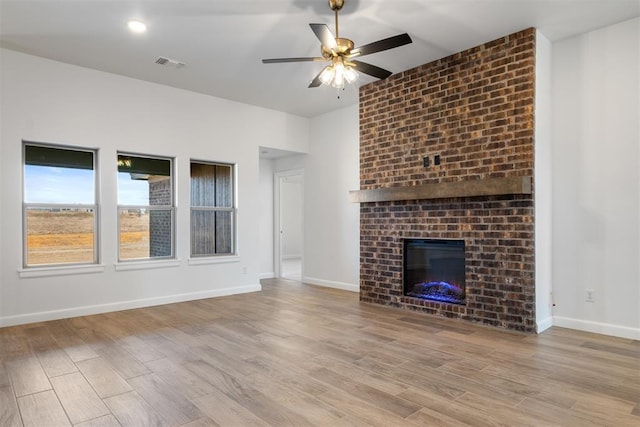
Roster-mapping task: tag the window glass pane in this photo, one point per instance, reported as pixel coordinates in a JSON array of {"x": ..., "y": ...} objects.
[
  {"x": 145, "y": 233},
  {"x": 160, "y": 233},
  {"x": 134, "y": 233},
  {"x": 202, "y": 185},
  {"x": 224, "y": 235},
  {"x": 211, "y": 185},
  {"x": 60, "y": 236},
  {"x": 132, "y": 191},
  {"x": 211, "y": 232},
  {"x": 224, "y": 187},
  {"x": 144, "y": 181},
  {"x": 202, "y": 233},
  {"x": 49, "y": 173}
]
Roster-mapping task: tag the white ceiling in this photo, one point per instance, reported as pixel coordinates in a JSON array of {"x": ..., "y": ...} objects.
[{"x": 223, "y": 41}]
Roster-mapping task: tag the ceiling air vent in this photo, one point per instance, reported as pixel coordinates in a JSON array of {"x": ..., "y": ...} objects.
[{"x": 172, "y": 62}]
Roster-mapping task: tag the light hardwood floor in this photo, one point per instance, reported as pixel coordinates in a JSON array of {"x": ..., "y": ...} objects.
[{"x": 299, "y": 355}]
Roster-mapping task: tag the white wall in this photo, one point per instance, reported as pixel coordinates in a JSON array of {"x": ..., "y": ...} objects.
[
  {"x": 596, "y": 193},
  {"x": 331, "y": 221},
  {"x": 47, "y": 101},
  {"x": 267, "y": 270},
  {"x": 543, "y": 184}
]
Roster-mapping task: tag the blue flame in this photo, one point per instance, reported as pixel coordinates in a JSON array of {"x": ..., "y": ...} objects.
[{"x": 439, "y": 291}]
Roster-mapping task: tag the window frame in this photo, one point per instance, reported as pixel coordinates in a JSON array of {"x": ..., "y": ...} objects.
[
  {"x": 233, "y": 209},
  {"x": 171, "y": 208},
  {"x": 95, "y": 207}
]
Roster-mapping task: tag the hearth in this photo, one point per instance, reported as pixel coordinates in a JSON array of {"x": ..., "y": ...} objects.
[{"x": 435, "y": 270}]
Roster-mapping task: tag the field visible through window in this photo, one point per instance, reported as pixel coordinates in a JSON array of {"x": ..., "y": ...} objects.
[{"x": 62, "y": 236}]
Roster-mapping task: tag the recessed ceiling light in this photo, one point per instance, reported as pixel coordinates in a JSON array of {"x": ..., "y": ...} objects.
[{"x": 137, "y": 26}]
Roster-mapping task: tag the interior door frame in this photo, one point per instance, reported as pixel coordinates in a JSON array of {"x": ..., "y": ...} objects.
[{"x": 277, "y": 219}]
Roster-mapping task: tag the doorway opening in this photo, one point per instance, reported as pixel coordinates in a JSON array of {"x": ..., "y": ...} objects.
[{"x": 289, "y": 224}]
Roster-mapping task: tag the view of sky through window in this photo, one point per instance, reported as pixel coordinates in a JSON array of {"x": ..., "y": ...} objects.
[
  {"x": 132, "y": 192},
  {"x": 47, "y": 184}
]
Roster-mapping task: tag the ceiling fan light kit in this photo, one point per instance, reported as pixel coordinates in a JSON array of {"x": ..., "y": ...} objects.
[
  {"x": 341, "y": 51},
  {"x": 338, "y": 73}
]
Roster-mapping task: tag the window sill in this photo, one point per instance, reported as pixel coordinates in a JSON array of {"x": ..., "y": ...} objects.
[
  {"x": 60, "y": 271},
  {"x": 147, "y": 265},
  {"x": 214, "y": 260}
]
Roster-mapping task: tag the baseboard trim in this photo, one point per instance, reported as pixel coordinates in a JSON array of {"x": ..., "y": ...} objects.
[
  {"x": 43, "y": 316},
  {"x": 544, "y": 324},
  {"x": 329, "y": 284},
  {"x": 597, "y": 327},
  {"x": 271, "y": 275}
]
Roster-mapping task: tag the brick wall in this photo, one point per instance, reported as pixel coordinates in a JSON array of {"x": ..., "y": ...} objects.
[
  {"x": 474, "y": 109},
  {"x": 160, "y": 233}
]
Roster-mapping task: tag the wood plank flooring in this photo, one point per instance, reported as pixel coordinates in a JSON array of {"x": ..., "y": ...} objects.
[{"x": 300, "y": 355}]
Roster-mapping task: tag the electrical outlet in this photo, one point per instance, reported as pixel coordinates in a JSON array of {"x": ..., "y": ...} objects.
[
  {"x": 590, "y": 295},
  {"x": 244, "y": 270}
]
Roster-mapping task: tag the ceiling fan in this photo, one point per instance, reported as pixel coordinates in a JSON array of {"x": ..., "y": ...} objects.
[{"x": 341, "y": 53}]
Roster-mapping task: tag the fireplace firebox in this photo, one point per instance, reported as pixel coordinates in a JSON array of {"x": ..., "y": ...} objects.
[{"x": 435, "y": 270}]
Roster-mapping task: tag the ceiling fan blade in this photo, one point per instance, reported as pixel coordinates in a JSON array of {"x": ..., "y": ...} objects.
[
  {"x": 316, "y": 80},
  {"x": 372, "y": 70},
  {"x": 324, "y": 34},
  {"x": 280, "y": 60},
  {"x": 380, "y": 45}
]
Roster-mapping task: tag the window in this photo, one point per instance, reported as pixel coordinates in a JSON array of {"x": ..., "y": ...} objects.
[
  {"x": 146, "y": 208},
  {"x": 213, "y": 211},
  {"x": 60, "y": 213}
]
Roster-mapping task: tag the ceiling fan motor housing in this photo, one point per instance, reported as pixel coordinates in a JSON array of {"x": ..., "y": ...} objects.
[{"x": 344, "y": 48}]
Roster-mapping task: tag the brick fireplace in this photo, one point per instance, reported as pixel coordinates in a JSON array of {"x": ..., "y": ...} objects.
[{"x": 475, "y": 111}]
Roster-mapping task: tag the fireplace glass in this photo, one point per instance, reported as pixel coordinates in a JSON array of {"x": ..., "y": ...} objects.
[{"x": 435, "y": 270}]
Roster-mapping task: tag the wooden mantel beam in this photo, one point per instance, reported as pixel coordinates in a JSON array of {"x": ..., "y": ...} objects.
[{"x": 446, "y": 190}]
